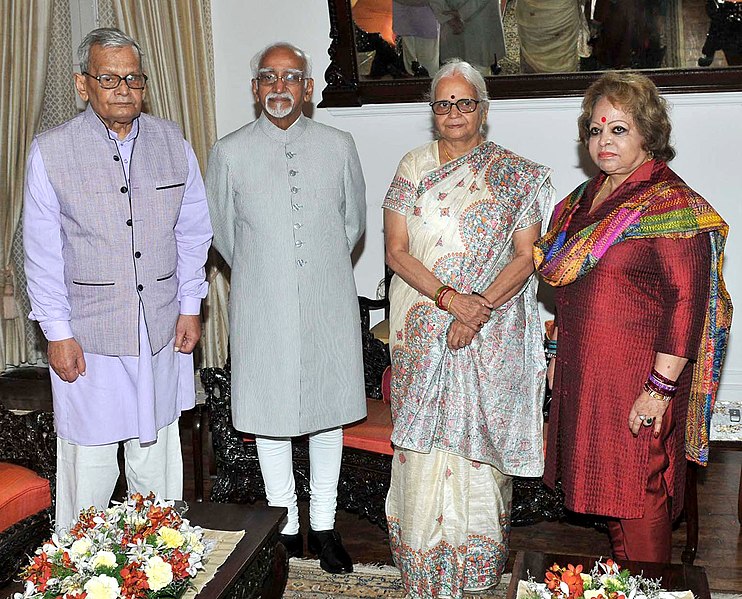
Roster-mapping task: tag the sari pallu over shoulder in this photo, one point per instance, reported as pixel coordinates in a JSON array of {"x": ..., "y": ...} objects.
[
  {"x": 445, "y": 399},
  {"x": 669, "y": 209}
]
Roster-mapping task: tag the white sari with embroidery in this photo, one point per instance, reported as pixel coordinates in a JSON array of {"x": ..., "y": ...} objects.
[{"x": 464, "y": 421}]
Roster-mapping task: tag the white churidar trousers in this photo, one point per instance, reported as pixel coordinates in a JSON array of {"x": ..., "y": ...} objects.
[
  {"x": 276, "y": 465},
  {"x": 87, "y": 475}
]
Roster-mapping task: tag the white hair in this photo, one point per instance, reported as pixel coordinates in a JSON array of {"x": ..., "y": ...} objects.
[
  {"x": 258, "y": 58},
  {"x": 456, "y": 66},
  {"x": 106, "y": 37}
]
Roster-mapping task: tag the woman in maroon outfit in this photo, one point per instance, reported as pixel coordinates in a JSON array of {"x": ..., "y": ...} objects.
[{"x": 635, "y": 255}]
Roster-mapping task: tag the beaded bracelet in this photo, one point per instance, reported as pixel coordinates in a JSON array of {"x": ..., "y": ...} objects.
[{"x": 550, "y": 348}]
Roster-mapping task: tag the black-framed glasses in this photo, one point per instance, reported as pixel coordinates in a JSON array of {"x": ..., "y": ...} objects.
[
  {"x": 110, "y": 81},
  {"x": 291, "y": 77},
  {"x": 464, "y": 105}
]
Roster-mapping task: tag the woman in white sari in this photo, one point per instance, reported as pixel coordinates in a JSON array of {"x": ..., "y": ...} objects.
[{"x": 468, "y": 368}]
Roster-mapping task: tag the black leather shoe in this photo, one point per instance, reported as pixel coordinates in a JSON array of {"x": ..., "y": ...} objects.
[
  {"x": 333, "y": 557},
  {"x": 294, "y": 544}
]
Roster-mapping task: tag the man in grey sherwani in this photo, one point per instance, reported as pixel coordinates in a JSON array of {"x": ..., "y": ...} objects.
[{"x": 287, "y": 203}]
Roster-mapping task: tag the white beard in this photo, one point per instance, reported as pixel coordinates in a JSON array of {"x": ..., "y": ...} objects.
[{"x": 281, "y": 111}]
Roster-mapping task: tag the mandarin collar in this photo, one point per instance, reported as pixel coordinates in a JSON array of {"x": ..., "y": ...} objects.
[
  {"x": 294, "y": 132},
  {"x": 95, "y": 123}
]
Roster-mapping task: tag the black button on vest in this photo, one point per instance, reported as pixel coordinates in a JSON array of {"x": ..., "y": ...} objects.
[
  {"x": 116, "y": 158},
  {"x": 124, "y": 189},
  {"x": 137, "y": 254},
  {"x": 128, "y": 223},
  {"x": 140, "y": 287}
]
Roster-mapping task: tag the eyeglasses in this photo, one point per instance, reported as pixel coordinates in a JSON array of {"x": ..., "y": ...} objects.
[
  {"x": 464, "y": 105},
  {"x": 109, "y": 81},
  {"x": 271, "y": 78}
]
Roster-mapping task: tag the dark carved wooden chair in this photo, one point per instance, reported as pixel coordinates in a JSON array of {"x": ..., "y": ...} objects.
[
  {"x": 367, "y": 455},
  {"x": 28, "y": 458}
]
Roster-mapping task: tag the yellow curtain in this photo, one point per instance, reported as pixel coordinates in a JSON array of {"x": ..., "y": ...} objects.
[
  {"x": 26, "y": 34},
  {"x": 175, "y": 36}
]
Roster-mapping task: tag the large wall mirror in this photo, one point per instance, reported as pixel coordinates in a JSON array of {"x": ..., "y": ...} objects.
[{"x": 385, "y": 50}]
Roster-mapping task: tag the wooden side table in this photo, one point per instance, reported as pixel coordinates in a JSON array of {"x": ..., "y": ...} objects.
[{"x": 259, "y": 565}]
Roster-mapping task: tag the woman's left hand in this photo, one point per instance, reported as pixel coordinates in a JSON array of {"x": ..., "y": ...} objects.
[
  {"x": 644, "y": 408},
  {"x": 459, "y": 336}
]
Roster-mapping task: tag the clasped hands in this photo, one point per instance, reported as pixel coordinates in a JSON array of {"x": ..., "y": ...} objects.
[{"x": 471, "y": 312}]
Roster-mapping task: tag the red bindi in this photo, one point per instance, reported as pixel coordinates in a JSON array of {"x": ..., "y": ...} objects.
[{"x": 602, "y": 119}]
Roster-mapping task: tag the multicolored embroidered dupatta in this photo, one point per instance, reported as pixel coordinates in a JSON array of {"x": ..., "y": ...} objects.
[{"x": 666, "y": 209}]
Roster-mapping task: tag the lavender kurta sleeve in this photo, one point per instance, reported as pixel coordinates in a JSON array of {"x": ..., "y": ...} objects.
[{"x": 42, "y": 240}]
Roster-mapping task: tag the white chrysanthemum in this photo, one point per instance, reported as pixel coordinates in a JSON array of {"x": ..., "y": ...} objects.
[
  {"x": 171, "y": 537},
  {"x": 159, "y": 573},
  {"x": 105, "y": 559},
  {"x": 193, "y": 541},
  {"x": 81, "y": 547},
  {"x": 102, "y": 587}
]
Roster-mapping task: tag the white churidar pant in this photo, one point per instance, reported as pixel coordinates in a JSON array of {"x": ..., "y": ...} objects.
[{"x": 276, "y": 465}]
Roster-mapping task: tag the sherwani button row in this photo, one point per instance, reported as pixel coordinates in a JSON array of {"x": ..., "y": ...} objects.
[
  {"x": 297, "y": 207},
  {"x": 290, "y": 154},
  {"x": 293, "y": 173},
  {"x": 294, "y": 190},
  {"x": 301, "y": 262},
  {"x": 298, "y": 243},
  {"x": 124, "y": 189}
]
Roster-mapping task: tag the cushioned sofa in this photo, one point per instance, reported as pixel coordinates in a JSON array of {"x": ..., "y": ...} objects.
[{"x": 27, "y": 473}]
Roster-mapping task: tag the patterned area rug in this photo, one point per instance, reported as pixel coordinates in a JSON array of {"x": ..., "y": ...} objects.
[
  {"x": 368, "y": 581},
  {"x": 308, "y": 581}
]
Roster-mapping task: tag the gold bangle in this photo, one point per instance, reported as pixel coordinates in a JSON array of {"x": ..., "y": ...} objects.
[
  {"x": 448, "y": 307},
  {"x": 655, "y": 395}
]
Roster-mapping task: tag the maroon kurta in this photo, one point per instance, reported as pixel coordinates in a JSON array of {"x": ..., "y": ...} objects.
[{"x": 644, "y": 296}]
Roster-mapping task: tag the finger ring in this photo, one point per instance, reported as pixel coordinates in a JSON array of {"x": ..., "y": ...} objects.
[
  {"x": 642, "y": 417},
  {"x": 648, "y": 421}
]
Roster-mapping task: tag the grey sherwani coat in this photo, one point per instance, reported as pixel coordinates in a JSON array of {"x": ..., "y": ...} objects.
[{"x": 287, "y": 208}]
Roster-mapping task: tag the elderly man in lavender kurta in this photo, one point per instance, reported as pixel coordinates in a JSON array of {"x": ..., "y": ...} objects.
[
  {"x": 287, "y": 199},
  {"x": 116, "y": 232}
]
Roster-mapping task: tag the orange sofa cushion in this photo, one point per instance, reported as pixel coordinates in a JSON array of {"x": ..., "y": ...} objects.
[
  {"x": 373, "y": 433},
  {"x": 23, "y": 493}
]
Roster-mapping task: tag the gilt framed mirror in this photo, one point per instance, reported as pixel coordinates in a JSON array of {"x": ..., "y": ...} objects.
[{"x": 383, "y": 51}]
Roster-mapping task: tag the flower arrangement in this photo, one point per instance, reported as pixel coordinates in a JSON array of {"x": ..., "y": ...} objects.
[
  {"x": 142, "y": 548},
  {"x": 605, "y": 581}
]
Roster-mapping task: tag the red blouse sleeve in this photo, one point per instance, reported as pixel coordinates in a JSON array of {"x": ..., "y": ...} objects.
[{"x": 684, "y": 271}]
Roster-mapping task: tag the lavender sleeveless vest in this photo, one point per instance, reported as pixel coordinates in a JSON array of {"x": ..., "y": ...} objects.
[{"x": 118, "y": 237}]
